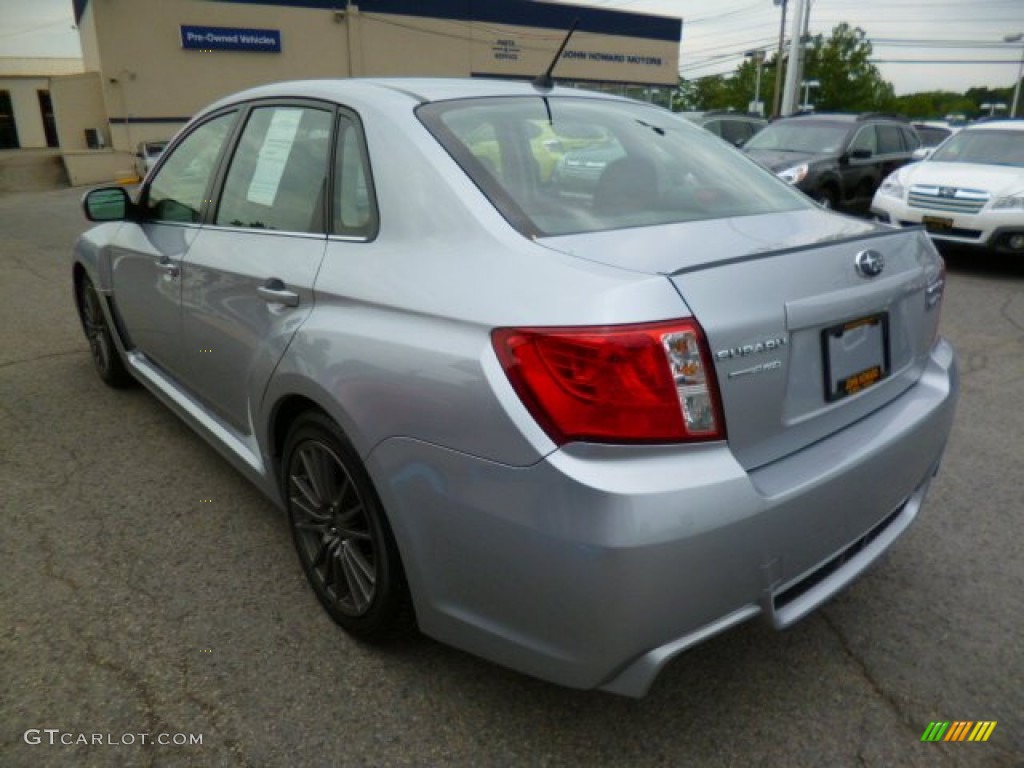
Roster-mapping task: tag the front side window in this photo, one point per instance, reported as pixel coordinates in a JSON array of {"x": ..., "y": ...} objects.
[
  {"x": 865, "y": 140},
  {"x": 278, "y": 175},
  {"x": 890, "y": 141},
  {"x": 612, "y": 165},
  {"x": 178, "y": 190}
]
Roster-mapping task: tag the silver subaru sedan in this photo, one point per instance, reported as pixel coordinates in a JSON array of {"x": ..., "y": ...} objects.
[{"x": 571, "y": 416}]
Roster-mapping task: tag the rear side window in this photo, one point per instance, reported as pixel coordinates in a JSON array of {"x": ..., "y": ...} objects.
[
  {"x": 178, "y": 190},
  {"x": 355, "y": 211},
  {"x": 890, "y": 139},
  {"x": 913, "y": 140},
  {"x": 736, "y": 132},
  {"x": 278, "y": 175},
  {"x": 564, "y": 165},
  {"x": 714, "y": 126}
]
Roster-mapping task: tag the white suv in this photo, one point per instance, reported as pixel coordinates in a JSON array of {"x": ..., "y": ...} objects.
[{"x": 969, "y": 191}]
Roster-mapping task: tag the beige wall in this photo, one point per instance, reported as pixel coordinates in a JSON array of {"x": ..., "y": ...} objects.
[
  {"x": 78, "y": 105},
  {"x": 140, "y": 48},
  {"x": 87, "y": 38},
  {"x": 147, "y": 75},
  {"x": 98, "y": 167},
  {"x": 25, "y": 104}
]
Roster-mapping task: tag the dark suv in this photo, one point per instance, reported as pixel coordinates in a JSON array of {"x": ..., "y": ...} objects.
[
  {"x": 839, "y": 160},
  {"x": 734, "y": 127}
]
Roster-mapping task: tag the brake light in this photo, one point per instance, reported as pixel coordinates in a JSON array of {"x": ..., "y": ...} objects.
[{"x": 650, "y": 383}]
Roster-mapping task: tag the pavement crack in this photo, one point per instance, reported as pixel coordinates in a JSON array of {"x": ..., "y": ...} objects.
[
  {"x": 17, "y": 260},
  {"x": 1006, "y": 314},
  {"x": 137, "y": 685},
  {"x": 50, "y": 564},
  {"x": 36, "y": 358},
  {"x": 216, "y": 715},
  {"x": 876, "y": 687}
]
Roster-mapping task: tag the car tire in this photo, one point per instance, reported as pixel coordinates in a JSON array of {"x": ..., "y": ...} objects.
[
  {"x": 105, "y": 356},
  {"x": 341, "y": 534},
  {"x": 826, "y": 197}
]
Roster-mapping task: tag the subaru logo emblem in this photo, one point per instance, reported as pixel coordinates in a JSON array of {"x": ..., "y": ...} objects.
[{"x": 870, "y": 263}]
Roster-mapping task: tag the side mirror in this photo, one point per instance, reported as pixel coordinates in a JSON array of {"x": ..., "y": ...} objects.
[
  {"x": 860, "y": 154},
  {"x": 922, "y": 153},
  {"x": 106, "y": 204}
]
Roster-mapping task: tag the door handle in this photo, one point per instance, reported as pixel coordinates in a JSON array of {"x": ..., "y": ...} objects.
[
  {"x": 274, "y": 292},
  {"x": 169, "y": 267}
]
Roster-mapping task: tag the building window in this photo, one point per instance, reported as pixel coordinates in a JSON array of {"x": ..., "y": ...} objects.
[
  {"x": 8, "y": 130},
  {"x": 49, "y": 123}
]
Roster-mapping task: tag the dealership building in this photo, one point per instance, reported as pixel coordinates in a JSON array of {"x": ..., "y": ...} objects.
[{"x": 148, "y": 65}]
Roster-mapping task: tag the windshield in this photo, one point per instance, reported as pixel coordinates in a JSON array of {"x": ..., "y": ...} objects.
[
  {"x": 991, "y": 147},
  {"x": 803, "y": 137},
  {"x": 564, "y": 165}
]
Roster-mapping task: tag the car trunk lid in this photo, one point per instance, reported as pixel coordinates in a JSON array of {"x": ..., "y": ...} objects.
[{"x": 803, "y": 341}]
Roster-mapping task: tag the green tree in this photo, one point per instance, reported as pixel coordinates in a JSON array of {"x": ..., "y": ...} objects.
[
  {"x": 733, "y": 92},
  {"x": 704, "y": 93},
  {"x": 933, "y": 105},
  {"x": 849, "y": 82}
]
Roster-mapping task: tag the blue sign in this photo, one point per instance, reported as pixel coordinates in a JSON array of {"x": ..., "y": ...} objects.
[{"x": 230, "y": 39}]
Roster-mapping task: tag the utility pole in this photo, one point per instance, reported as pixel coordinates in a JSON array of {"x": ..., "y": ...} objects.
[
  {"x": 758, "y": 58},
  {"x": 1020, "y": 72},
  {"x": 791, "y": 93},
  {"x": 776, "y": 99}
]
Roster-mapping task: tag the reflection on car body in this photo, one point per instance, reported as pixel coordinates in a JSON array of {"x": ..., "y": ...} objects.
[{"x": 502, "y": 405}]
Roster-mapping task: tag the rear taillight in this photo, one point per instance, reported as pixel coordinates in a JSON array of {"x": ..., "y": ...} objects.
[{"x": 650, "y": 383}]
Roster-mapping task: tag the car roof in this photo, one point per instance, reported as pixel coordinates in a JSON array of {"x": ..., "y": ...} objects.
[
  {"x": 996, "y": 125},
  {"x": 417, "y": 89},
  {"x": 845, "y": 118}
]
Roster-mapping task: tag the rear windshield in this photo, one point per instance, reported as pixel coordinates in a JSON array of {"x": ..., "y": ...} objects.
[{"x": 564, "y": 165}]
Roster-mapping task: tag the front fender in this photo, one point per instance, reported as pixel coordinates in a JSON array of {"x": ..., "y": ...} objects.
[{"x": 92, "y": 252}]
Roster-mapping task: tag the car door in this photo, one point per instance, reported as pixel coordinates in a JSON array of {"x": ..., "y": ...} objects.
[
  {"x": 858, "y": 173},
  {"x": 891, "y": 150},
  {"x": 248, "y": 278},
  {"x": 147, "y": 253}
]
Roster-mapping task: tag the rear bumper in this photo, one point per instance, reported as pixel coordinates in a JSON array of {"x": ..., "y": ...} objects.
[{"x": 599, "y": 564}]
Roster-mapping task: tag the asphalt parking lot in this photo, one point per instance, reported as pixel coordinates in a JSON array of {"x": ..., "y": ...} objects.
[{"x": 148, "y": 589}]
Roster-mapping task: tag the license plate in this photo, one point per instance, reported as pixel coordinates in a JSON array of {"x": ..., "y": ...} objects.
[
  {"x": 936, "y": 223},
  {"x": 856, "y": 355}
]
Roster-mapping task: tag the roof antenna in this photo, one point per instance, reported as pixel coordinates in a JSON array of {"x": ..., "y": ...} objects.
[{"x": 544, "y": 81}]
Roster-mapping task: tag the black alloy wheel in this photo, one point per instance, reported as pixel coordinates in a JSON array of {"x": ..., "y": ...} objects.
[
  {"x": 105, "y": 356},
  {"x": 342, "y": 537}
]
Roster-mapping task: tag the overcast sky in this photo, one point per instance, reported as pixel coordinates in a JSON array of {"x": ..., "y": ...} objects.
[{"x": 950, "y": 44}]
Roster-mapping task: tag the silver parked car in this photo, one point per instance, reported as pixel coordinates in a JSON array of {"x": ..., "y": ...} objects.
[
  {"x": 574, "y": 431},
  {"x": 147, "y": 153}
]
